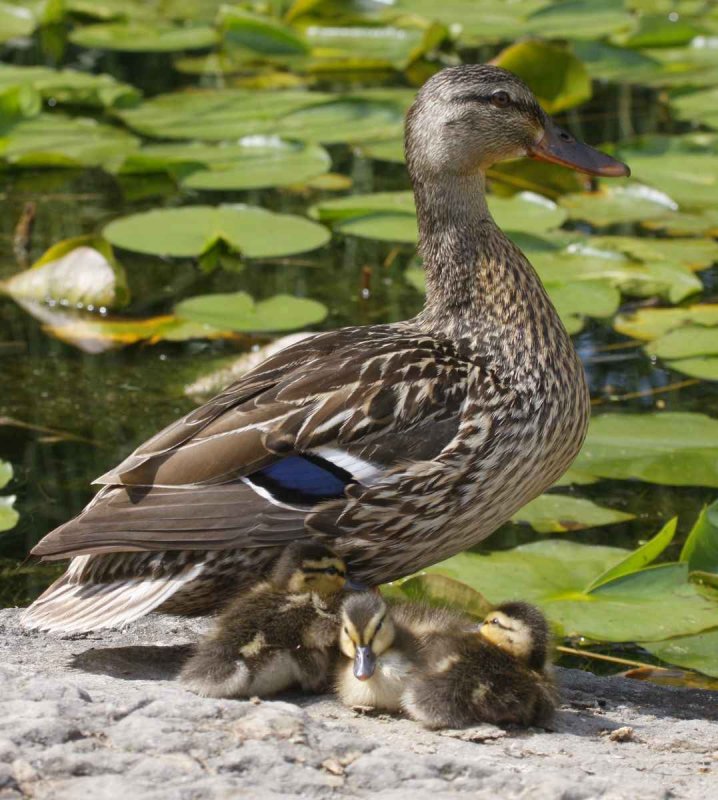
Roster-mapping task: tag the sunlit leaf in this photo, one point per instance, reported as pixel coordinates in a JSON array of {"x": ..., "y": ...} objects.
[
  {"x": 638, "y": 559},
  {"x": 612, "y": 204},
  {"x": 8, "y": 515},
  {"x": 608, "y": 62},
  {"x": 580, "y": 19},
  {"x": 15, "y": 21},
  {"x": 139, "y": 37},
  {"x": 704, "y": 223},
  {"x": 652, "y": 323},
  {"x": 700, "y": 550},
  {"x": 52, "y": 140},
  {"x": 384, "y": 150},
  {"x": 699, "y": 106},
  {"x": 239, "y": 312},
  {"x": 70, "y": 87},
  {"x": 557, "y": 78},
  {"x": 696, "y": 254},
  {"x": 195, "y": 230},
  {"x": 653, "y": 603},
  {"x": 251, "y": 163},
  {"x": 697, "y": 652},
  {"x": 259, "y": 33},
  {"x": 78, "y": 272},
  {"x": 557, "y": 513},
  {"x": 686, "y": 342},
  {"x": 438, "y": 590},
  {"x": 672, "y": 448},
  {"x": 661, "y": 30}
]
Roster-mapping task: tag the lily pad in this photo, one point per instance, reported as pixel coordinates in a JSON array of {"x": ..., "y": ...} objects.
[
  {"x": 671, "y": 448},
  {"x": 144, "y": 38},
  {"x": 613, "y": 204},
  {"x": 703, "y": 223},
  {"x": 653, "y": 603},
  {"x": 8, "y": 515},
  {"x": 609, "y": 62},
  {"x": 15, "y": 21},
  {"x": 557, "y": 78},
  {"x": 69, "y": 87},
  {"x": 251, "y": 163},
  {"x": 52, "y": 140},
  {"x": 696, "y": 254},
  {"x": 260, "y": 34},
  {"x": 652, "y": 323},
  {"x": 79, "y": 272},
  {"x": 686, "y": 342},
  {"x": 580, "y": 19},
  {"x": 694, "y": 652},
  {"x": 438, "y": 590},
  {"x": 557, "y": 513},
  {"x": 700, "y": 550},
  {"x": 239, "y": 312},
  {"x": 195, "y": 230},
  {"x": 699, "y": 106}
]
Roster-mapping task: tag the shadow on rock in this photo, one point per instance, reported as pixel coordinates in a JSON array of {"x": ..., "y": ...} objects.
[{"x": 136, "y": 663}]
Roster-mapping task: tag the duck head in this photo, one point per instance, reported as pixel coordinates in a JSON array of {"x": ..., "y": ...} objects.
[
  {"x": 468, "y": 117},
  {"x": 310, "y": 567},
  {"x": 367, "y": 631},
  {"x": 519, "y": 629}
]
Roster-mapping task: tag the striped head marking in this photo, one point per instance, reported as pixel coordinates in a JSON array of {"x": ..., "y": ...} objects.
[
  {"x": 309, "y": 567},
  {"x": 519, "y": 629},
  {"x": 367, "y": 631}
]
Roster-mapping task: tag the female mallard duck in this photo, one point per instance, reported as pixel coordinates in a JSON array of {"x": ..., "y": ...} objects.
[
  {"x": 398, "y": 444},
  {"x": 279, "y": 634},
  {"x": 383, "y": 647},
  {"x": 497, "y": 673}
]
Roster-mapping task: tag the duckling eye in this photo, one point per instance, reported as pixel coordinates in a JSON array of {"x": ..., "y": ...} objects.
[
  {"x": 501, "y": 99},
  {"x": 378, "y": 627},
  {"x": 495, "y": 621},
  {"x": 331, "y": 571}
]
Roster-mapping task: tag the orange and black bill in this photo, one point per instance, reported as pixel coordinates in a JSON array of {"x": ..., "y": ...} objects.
[{"x": 559, "y": 147}]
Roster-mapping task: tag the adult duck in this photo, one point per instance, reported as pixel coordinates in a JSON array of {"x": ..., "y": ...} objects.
[{"x": 398, "y": 445}]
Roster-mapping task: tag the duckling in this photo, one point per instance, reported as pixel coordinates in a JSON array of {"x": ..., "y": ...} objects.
[
  {"x": 282, "y": 633},
  {"x": 497, "y": 673},
  {"x": 383, "y": 644}
]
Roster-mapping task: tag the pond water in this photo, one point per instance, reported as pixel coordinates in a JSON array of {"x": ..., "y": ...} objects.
[{"x": 66, "y": 415}]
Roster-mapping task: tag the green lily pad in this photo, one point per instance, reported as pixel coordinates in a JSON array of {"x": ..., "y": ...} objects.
[
  {"x": 260, "y": 34},
  {"x": 638, "y": 559},
  {"x": 686, "y": 342},
  {"x": 613, "y": 204},
  {"x": 653, "y": 603},
  {"x": 700, "y": 550},
  {"x": 652, "y": 323},
  {"x": 693, "y": 652},
  {"x": 15, "y": 21},
  {"x": 580, "y": 19},
  {"x": 52, "y": 140},
  {"x": 660, "y": 30},
  {"x": 672, "y": 448},
  {"x": 699, "y": 106},
  {"x": 557, "y": 78},
  {"x": 195, "y": 230},
  {"x": 239, "y": 312},
  {"x": 704, "y": 223},
  {"x": 384, "y": 150},
  {"x": 8, "y": 515},
  {"x": 144, "y": 37},
  {"x": 438, "y": 590},
  {"x": 251, "y": 163},
  {"x": 69, "y": 87},
  {"x": 557, "y": 513},
  {"x": 696, "y": 254},
  {"x": 78, "y": 272},
  {"x": 608, "y": 62}
]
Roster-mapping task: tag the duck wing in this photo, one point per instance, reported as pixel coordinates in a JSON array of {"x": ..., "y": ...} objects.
[{"x": 315, "y": 424}]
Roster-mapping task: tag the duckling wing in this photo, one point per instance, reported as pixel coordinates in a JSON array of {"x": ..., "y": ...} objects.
[{"x": 246, "y": 469}]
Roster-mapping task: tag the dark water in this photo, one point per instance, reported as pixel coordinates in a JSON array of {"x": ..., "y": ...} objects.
[{"x": 66, "y": 416}]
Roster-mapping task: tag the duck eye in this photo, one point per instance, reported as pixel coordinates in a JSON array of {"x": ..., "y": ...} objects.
[
  {"x": 495, "y": 621},
  {"x": 501, "y": 99},
  {"x": 378, "y": 627},
  {"x": 331, "y": 571}
]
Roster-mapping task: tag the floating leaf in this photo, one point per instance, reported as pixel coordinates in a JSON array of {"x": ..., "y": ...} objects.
[
  {"x": 608, "y": 62},
  {"x": 51, "y": 140},
  {"x": 580, "y": 19},
  {"x": 239, "y": 312},
  {"x": 652, "y": 323},
  {"x": 660, "y": 30},
  {"x": 195, "y": 230},
  {"x": 686, "y": 342},
  {"x": 557, "y": 78},
  {"x": 557, "y": 513},
  {"x": 695, "y": 652},
  {"x": 700, "y": 550},
  {"x": 251, "y": 163},
  {"x": 384, "y": 150},
  {"x": 618, "y": 204},
  {"x": 699, "y": 106},
  {"x": 260, "y": 34},
  {"x": 15, "y": 21},
  {"x": 438, "y": 590},
  {"x": 144, "y": 38},
  {"x": 672, "y": 448},
  {"x": 695, "y": 254},
  {"x": 653, "y": 603},
  {"x": 80, "y": 272},
  {"x": 8, "y": 515},
  {"x": 704, "y": 223},
  {"x": 646, "y": 554},
  {"x": 574, "y": 301},
  {"x": 68, "y": 86}
]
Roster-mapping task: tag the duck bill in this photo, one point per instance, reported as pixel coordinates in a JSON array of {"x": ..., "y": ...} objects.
[
  {"x": 558, "y": 147},
  {"x": 364, "y": 663}
]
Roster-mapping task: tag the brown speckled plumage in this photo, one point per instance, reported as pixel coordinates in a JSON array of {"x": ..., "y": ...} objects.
[{"x": 445, "y": 424}]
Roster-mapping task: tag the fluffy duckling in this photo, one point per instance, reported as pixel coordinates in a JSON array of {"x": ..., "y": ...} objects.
[
  {"x": 496, "y": 673},
  {"x": 383, "y": 646},
  {"x": 280, "y": 634}
]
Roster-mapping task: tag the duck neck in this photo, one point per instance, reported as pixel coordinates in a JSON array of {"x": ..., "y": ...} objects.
[{"x": 479, "y": 286}]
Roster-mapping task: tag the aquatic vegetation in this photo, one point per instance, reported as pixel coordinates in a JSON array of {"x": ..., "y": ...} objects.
[{"x": 198, "y": 175}]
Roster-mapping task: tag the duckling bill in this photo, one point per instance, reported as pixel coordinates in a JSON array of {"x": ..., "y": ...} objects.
[
  {"x": 497, "y": 673},
  {"x": 279, "y": 635}
]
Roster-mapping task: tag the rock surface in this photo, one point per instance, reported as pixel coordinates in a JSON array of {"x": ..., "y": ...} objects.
[{"x": 100, "y": 716}]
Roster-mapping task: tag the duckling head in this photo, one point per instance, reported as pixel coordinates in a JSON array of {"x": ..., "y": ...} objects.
[
  {"x": 468, "y": 117},
  {"x": 521, "y": 630},
  {"x": 367, "y": 631},
  {"x": 309, "y": 567}
]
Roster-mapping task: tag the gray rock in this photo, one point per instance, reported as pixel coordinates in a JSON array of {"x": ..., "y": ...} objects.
[{"x": 101, "y": 716}]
